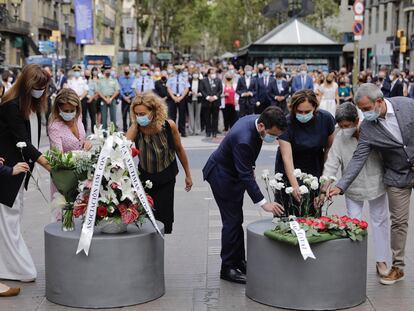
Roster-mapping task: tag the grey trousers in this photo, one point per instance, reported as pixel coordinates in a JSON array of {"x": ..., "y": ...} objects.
[
  {"x": 194, "y": 111},
  {"x": 399, "y": 204}
]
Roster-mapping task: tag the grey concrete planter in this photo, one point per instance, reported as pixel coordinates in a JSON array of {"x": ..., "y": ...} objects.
[
  {"x": 121, "y": 269},
  {"x": 278, "y": 276}
]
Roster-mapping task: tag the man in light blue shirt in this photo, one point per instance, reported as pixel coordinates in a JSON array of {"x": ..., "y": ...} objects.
[
  {"x": 178, "y": 87},
  {"x": 143, "y": 83},
  {"x": 126, "y": 82}
]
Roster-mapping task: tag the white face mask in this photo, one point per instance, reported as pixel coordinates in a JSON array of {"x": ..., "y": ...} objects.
[
  {"x": 67, "y": 116},
  {"x": 37, "y": 93},
  {"x": 349, "y": 132},
  {"x": 303, "y": 73},
  {"x": 213, "y": 76},
  {"x": 10, "y": 80}
]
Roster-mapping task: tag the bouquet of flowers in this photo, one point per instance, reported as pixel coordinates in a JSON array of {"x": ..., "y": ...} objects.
[
  {"x": 318, "y": 228},
  {"x": 117, "y": 200},
  {"x": 310, "y": 189},
  {"x": 72, "y": 173}
]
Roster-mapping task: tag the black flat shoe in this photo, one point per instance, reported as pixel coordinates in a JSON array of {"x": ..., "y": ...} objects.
[{"x": 233, "y": 275}]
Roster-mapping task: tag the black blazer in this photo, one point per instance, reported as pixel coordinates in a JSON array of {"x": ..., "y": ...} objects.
[
  {"x": 274, "y": 90},
  {"x": 13, "y": 129},
  {"x": 206, "y": 90},
  {"x": 160, "y": 88},
  {"x": 242, "y": 88},
  {"x": 397, "y": 90}
]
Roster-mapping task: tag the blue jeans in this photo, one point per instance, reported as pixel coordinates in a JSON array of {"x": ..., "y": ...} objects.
[{"x": 112, "y": 113}]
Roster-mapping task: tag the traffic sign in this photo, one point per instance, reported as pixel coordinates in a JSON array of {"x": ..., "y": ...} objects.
[
  {"x": 358, "y": 28},
  {"x": 56, "y": 36},
  {"x": 47, "y": 47},
  {"x": 359, "y": 7}
]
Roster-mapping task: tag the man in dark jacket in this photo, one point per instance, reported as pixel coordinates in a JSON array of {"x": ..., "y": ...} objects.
[
  {"x": 230, "y": 172},
  {"x": 211, "y": 89},
  {"x": 397, "y": 87},
  {"x": 247, "y": 90}
]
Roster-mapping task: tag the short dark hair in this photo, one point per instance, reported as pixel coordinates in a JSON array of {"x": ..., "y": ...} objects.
[{"x": 273, "y": 116}]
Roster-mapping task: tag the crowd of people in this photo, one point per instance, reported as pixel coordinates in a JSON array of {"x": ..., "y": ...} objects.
[{"x": 316, "y": 117}]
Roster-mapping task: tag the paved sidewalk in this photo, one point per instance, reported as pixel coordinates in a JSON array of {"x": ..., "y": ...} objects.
[{"x": 192, "y": 259}]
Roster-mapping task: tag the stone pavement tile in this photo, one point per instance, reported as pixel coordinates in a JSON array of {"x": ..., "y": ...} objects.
[
  {"x": 20, "y": 303},
  {"x": 46, "y": 305}
]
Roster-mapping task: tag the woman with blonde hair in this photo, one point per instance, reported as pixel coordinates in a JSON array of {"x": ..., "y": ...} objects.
[
  {"x": 66, "y": 130},
  {"x": 329, "y": 97},
  {"x": 159, "y": 142},
  {"x": 20, "y": 111},
  {"x": 230, "y": 99}
]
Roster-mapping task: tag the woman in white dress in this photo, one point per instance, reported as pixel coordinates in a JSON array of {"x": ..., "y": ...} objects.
[
  {"x": 329, "y": 95},
  {"x": 19, "y": 122}
]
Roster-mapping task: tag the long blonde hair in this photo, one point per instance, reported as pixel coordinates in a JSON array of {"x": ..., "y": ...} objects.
[
  {"x": 65, "y": 96},
  {"x": 154, "y": 103}
]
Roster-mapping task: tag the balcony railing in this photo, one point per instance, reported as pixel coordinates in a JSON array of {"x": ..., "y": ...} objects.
[
  {"x": 19, "y": 27},
  {"x": 50, "y": 24}
]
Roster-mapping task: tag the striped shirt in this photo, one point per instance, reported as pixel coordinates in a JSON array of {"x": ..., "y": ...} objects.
[{"x": 155, "y": 152}]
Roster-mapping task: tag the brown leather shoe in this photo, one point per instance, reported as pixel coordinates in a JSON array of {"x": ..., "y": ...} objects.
[
  {"x": 10, "y": 292},
  {"x": 395, "y": 275},
  {"x": 381, "y": 270}
]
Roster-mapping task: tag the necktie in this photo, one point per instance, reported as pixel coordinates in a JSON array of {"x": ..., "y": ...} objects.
[
  {"x": 142, "y": 85},
  {"x": 266, "y": 82},
  {"x": 303, "y": 82},
  {"x": 177, "y": 90}
]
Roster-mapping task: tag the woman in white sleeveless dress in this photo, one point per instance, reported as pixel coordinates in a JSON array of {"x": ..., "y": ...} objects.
[{"x": 329, "y": 95}]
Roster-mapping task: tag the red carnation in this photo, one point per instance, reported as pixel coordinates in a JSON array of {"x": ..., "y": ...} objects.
[
  {"x": 325, "y": 219},
  {"x": 363, "y": 225},
  {"x": 150, "y": 200},
  {"x": 301, "y": 220},
  {"x": 309, "y": 222},
  {"x": 345, "y": 218},
  {"x": 355, "y": 221},
  {"x": 114, "y": 185},
  {"x": 102, "y": 211},
  {"x": 321, "y": 226},
  {"x": 134, "y": 152}
]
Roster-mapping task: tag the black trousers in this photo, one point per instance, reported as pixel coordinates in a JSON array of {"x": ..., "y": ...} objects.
[
  {"x": 182, "y": 113},
  {"x": 231, "y": 211},
  {"x": 163, "y": 196},
  {"x": 246, "y": 106},
  {"x": 125, "y": 113},
  {"x": 211, "y": 118},
  {"x": 229, "y": 116},
  {"x": 91, "y": 109}
]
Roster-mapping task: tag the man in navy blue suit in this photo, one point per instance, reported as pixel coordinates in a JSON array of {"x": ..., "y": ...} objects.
[
  {"x": 230, "y": 172},
  {"x": 263, "y": 86},
  {"x": 247, "y": 89},
  {"x": 302, "y": 81}
]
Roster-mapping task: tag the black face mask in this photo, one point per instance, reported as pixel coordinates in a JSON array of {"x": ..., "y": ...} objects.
[
  {"x": 163, "y": 79},
  {"x": 87, "y": 77},
  {"x": 260, "y": 70},
  {"x": 126, "y": 73},
  {"x": 380, "y": 79},
  {"x": 107, "y": 74},
  {"x": 228, "y": 79}
]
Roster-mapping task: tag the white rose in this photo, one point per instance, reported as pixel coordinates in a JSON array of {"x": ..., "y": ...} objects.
[
  {"x": 304, "y": 175},
  {"x": 303, "y": 189},
  {"x": 21, "y": 144},
  {"x": 278, "y": 176},
  {"x": 323, "y": 179},
  {"x": 289, "y": 190},
  {"x": 265, "y": 174},
  {"x": 273, "y": 183},
  {"x": 148, "y": 184},
  {"x": 298, "y": 173},
  {"x": 314, "y": 185},
  {"x": 307, "y": 181},
  {"x": 280, "y": 186}
]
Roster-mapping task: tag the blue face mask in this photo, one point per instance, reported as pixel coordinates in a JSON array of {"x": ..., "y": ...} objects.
[
  {"x": 77, "y": 74},
  {"x": 143, "y": 120},
  {"x": 371, "y": 115},
  {"x": 67, "y": 116},
  {"x": 269, "y": 138},
  {"x": 304, "y": 118}
]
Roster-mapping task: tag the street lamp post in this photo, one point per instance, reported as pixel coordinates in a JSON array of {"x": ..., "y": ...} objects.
[{"x": 66, "y": 6}]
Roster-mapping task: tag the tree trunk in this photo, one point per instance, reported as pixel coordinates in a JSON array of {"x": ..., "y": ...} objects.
[{"x": 117, "y": 30}]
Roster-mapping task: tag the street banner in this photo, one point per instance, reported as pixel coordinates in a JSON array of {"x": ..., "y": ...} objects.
[{"x": 84, "y": 21}]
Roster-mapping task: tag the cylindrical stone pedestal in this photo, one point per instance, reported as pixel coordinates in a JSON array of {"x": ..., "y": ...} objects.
[
  {"x": 121, "y": 269},
  {"x": 278, "y": 276}
]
